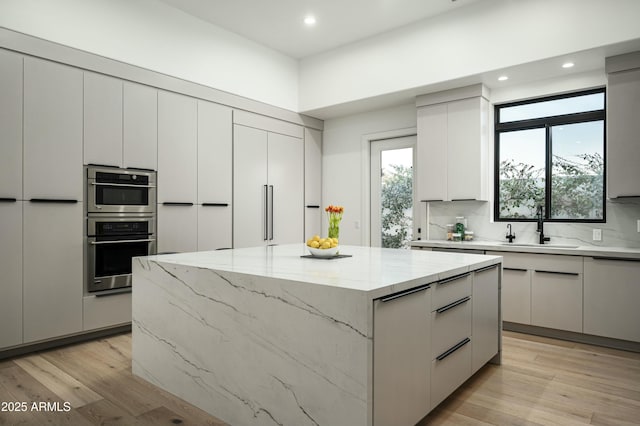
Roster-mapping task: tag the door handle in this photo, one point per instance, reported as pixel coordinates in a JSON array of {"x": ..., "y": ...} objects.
[
  {"x": 271, "y": 214},
  {"x": 266, "y": 212},
  {"x": 145, "y": 240}
]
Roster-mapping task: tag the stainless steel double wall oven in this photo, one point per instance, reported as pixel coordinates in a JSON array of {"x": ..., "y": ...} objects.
[{"x": 121, "y": 224}]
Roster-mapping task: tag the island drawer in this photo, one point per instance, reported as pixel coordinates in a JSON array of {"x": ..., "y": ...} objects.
[
  {"x": 450, "y": 370},
  {"x": 450, "y": 325},
  {"x": 451, "y": 289}
]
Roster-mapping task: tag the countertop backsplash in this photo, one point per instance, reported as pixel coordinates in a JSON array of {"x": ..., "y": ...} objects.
[{"x": 620, "y": 229}]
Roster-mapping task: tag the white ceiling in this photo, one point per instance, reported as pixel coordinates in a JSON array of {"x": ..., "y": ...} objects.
[{"x": 278, "y": 24}]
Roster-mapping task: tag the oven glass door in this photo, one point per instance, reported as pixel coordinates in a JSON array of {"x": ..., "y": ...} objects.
[
  {"x": 107, "y": 195},
  {"x": 114, "y": 258}
]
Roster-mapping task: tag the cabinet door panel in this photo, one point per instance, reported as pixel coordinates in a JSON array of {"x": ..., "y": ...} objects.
[
  {"x": 249, "y": 192},
  {"x": 516, "y": 296},
  {"x": 432, "y": 153},
  {"x": 556, "y": 301},
  {"x": 177, "y": 229},
  {"x": 401, "y": 370},
  {"x": 214, "y": 227},
  {"x": 140, "y": 126},
  {"x": 102, "y": 120},
  {"x": 312, "y": 182},
  {"x": 11, "y": 125},
  {"x": 486, "y": 317},
  {"x": 11, "y": 267},
  {"x": 286, "y": 178},
  {"x": 53, "y": 283},
  {"x": 177, "y": 148},
  {"x": 52, "y": 130},
  {"x": 215, "y": 148},
  {"x": 106, "y": 311}
]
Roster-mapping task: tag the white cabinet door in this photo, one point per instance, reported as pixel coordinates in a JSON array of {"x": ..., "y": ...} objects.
[
  {"x": 11, "y": 267},
  {"x": 102, "y": 120},
  {"x": 467, "y": 149},
  {"x": 177, "y": 228},
  {"x": 140, "y": 126},
  {"x": 214, "y": 227},
  {"x": 10, "y": 125},
  {"x": 486, "y": 316},
  {"x": 611, "y": 295},
  {"x": 106, "y": 311},
  {"x": 249, "y": 187},
  {"x": 401, "y": 354},
  {"x": 556, "y": 300},
  {"x": 432, "y": 153},
  {"x": 516, "y": 295},
  {"x": 177, "y": 148},
  {"x": 215, "y": 153},
  {"x": 52, "y": 273},
  {"x": 623, "y": 127},
  {"x": 286, "y": 188},
  {"x": 52, "y": 130},
  {"x": 312, "y": 182}
]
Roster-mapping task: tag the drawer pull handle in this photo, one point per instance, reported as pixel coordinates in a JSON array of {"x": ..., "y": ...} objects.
[
  {"x": 624, "y": 259},
  {"x": 463, "y": 199},
  {"x": 486, "y": 268},
  {"x": 453, "y": 349},
  {"x": 457, "y": 277},
  {"x": 53, "y": 200},
  {"x": 430, "y": 201},
  {"x": 313, "y": 206},
  {"x": 405, "y": 293},
  {"x": 172, "y": 203},
  {"x": 453, "y": 305},
  {"x": 215, "y": 204},
  {"x": 8, "y": 200},
  {"x": 515, "y": 269},
  {"x": 575, "y": 274}
]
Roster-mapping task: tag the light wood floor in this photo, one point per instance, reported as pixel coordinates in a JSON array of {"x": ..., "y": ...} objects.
[{"x": 541, "y": 382}]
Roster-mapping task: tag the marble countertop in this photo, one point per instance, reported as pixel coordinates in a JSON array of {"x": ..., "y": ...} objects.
[
  {"x": 376, "y": 271},
  {"x": 616, "y": 252}
]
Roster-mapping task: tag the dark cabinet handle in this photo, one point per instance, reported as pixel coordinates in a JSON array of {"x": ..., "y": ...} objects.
[
  {"x": 53, "y": 200},
  {"x": 575, "y": 274},
  {"x": 215, "y": 204},
  {"x": 429, "y": 201},
  {"x": 8, "y": 200},
  {"x": 453, "y": 349},
  {"x": 624, "y": 259},
  {"x": 405, "y": 293},
  {"x": 453, "y": 305},
  {"x": 457, "y": 277},
  {"x": 463, "y": 199},
  {"x": 486, "y": 268},
  {"x": 313, "y": 207},
  {"x": 515, "y": 269},
  {"x": 171, "y": 203}
]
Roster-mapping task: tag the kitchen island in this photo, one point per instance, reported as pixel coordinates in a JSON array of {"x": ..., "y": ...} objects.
[{"x": 262, "y": 336}]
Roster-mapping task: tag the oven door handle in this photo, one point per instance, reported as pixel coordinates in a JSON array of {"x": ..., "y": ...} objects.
[
  {"x": 145, "y": 240},
  {"x": 122, "y": 184}
]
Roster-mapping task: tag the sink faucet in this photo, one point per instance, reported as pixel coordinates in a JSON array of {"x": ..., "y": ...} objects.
[
  {"x": 540, "y": 230},
  {"x": 510, "y": 236}
]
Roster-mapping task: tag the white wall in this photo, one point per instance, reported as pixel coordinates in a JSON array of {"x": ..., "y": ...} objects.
[
  {"x": 482, "y": 37},
  {"x": 342, "y": 171},
  {"x": 155, "y": 36}
]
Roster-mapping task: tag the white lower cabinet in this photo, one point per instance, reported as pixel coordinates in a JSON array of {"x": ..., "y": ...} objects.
[
  {"x": 486, "y": 316},
  {"x": 11, "y": 267},
  {"x": 177, "y": 228},
  {"x": 611, "y": 295},
  {"x": 516, "y": 295},
  {"x": 214, "y": 227},
  {"x": 106, "y": 311},
  {"x": 401, "y": 346},
  {"x": 52, "y": 270}
]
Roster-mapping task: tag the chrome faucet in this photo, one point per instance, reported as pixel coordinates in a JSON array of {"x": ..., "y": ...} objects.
[
  {"x": 510, "y": 236},
  {"x": 540, "y": 230}
]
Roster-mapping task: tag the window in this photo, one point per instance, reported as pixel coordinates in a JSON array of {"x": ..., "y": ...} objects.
[{"x": 550, "y": 153}]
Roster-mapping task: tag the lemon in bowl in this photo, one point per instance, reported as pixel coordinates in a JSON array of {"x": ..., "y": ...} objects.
[{"x": 323, "y": 247}]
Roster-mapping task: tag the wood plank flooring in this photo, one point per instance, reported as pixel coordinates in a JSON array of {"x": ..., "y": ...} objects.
[{"x": 541, "y": 382}]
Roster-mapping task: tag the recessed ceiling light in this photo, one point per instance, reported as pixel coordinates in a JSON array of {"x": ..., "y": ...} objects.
[
  {"x": 503, "y": 78},
  {"x": 567, "y": 65},
  {"x": 309, "y": 20}
]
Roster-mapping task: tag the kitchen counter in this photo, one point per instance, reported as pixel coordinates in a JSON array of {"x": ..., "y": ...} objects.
[
  {"x": 589, "y": 251},
  {"x": 262, "y": 336}
]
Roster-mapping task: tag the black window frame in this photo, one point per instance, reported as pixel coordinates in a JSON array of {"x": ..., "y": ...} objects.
[{"x": 546, "y": 123}]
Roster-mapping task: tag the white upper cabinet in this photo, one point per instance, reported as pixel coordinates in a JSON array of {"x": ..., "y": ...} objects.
[
  {"x": 140, "y": 126},
  {"x": 52, "y": 130},
  {"x": 453, "y": 145},
  {"x": 312, "y": 182},
  {"x": 177, "y": 148},
  {"x": 215, "y": 153},
  {"x": 623, "y": 128},
  {"x": 11, "y": 125},
  {"x": 102, "y": 120}
]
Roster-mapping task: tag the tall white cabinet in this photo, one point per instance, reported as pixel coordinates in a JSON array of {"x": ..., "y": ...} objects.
[
  {"x": 268, "y": 170},
  {"x": 312, "y": 182},
  {"x": 453, "y": 145}
]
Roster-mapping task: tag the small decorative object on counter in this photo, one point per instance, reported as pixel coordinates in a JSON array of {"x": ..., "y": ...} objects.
[
  {"x": 461, "y": 224},
  {"x": 334, "y": 213},
  {"x": 457, "y": 236},
  {"x": 450, "y": 231},
  {"x": 468, "y": 235}
]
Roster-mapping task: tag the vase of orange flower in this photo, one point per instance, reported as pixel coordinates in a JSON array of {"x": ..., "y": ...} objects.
[{"x": 334, "y": 213}]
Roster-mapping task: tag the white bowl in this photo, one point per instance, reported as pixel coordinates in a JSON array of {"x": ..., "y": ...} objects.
[{"x": 330, "y": 252}]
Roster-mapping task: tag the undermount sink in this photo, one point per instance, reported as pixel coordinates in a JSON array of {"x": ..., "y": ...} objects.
[{"x": 538, "y": 245}]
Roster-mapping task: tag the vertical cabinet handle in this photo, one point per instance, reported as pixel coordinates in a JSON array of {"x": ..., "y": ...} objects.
[
  {"x": 266, "y": 212},
  {"x": 271, "y": 213}
]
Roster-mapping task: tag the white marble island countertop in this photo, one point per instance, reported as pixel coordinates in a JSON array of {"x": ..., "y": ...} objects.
[{"x": 376, "y": 271}]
